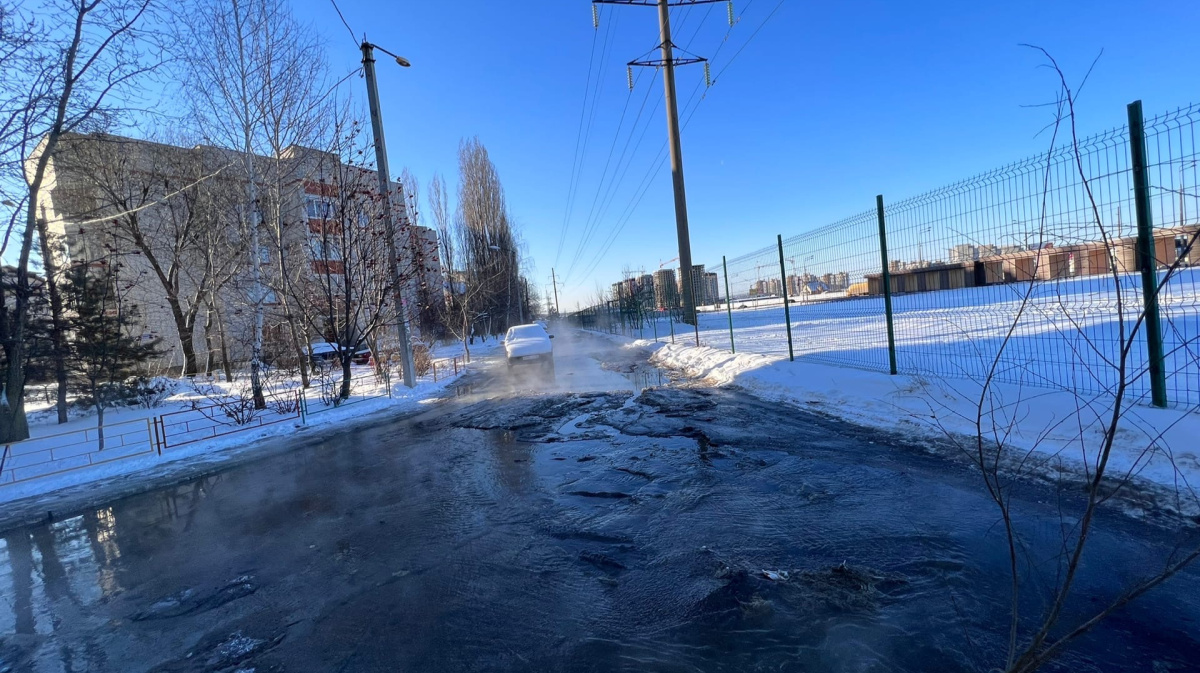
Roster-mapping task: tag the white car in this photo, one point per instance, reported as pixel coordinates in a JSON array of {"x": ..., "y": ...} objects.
[{"x": 529, "y": 344}]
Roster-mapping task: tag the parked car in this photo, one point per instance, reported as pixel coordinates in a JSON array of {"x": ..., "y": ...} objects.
[
  {"x": 529, "y": 344},
  {"x": 324, "y": 353}
]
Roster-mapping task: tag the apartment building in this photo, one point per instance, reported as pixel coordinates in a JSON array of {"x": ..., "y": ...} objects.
[
  {"x": 173, "y": 223},
  {"x": 666, "y": 290}
]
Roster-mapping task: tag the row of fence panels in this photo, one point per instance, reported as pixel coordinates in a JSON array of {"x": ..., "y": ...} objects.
[
  {"x": 59, "y": 453},
  {"x": 1033, "y": 274}
]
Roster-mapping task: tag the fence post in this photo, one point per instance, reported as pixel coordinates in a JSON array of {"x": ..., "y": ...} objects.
[
  {"x": 1145, "y": 254},
  {"x": 787, "y": 309},
  {"x": 671, "y": 323},
  {"x": 728, "y": 304},
  {"x": 304, "y": 407},
  {"x": 654, "y": 324},
  {"x": 886, "y": 278},
  {"x": 152, "y": 433}
]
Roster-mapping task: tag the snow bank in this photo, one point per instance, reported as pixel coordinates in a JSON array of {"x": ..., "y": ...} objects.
[{"x": 1158, "y": 447}]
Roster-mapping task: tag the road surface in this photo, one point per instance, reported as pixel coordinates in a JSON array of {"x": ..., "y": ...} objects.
[{"x": 569, "y": 525}]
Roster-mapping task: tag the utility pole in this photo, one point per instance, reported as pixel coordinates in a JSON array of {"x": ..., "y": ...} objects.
[
  {"x": 668, "y": 63},
  {"x": 389, "y": 222},
  {"x": 554, "y": 280}
]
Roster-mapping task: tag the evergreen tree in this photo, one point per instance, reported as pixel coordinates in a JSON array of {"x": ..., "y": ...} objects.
[{"x": 102, "y": 351}]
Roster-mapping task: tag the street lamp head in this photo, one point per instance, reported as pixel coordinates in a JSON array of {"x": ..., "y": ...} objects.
[
  {"x": 8, "y": 203},
  {"x": 403, "y": 62}
]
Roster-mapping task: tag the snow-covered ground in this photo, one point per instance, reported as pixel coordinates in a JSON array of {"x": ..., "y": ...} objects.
[
  {"x": 1066, "y": 337},
  {"x": 186, "y": 426},
  {"x": 1044, "y": 431}
]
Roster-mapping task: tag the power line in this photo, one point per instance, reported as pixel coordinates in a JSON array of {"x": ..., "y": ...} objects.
[
  {"x": 344, "y": 23},
  {"x": 592, "y": 222},
  {"x": 748, "y": 41},
  {"x": 606, "y": 196},
  {"x": 562, "y": 234},
  {"x": 659, "y": 160},
  {"x": 573, "y": 189}
]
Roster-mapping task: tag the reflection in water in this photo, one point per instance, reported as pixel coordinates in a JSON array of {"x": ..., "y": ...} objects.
[
  {"x": 101, "y": 528},
  {"x": 20, "y": 565},
  {"x": 64, "y": 566},
  {"x": 54, "y": 576},
  {"x": 646, "y": 377}
]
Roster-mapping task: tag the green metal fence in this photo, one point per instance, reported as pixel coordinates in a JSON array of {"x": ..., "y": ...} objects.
[{"x": 1034, "y": 274}]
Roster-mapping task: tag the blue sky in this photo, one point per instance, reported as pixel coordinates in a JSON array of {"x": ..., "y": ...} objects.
[{"x": 829, "y": 104}]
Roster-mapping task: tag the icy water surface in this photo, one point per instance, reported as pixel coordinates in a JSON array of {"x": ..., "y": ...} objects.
[{"x": 526, "y": 527}]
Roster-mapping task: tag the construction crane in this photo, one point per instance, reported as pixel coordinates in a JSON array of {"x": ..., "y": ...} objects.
[{"x": 673, "y": 259}]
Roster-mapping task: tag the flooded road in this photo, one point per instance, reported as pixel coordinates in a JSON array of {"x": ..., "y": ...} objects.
[{"x": 571, "y": 525}]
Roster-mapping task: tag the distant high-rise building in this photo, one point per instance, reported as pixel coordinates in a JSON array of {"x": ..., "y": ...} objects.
[
  {"x": 646, "y": 291},
  {"x": 666, "y": 291},
  {"x": 698, "y": 295},
  {"x": 712, "y": 289}
]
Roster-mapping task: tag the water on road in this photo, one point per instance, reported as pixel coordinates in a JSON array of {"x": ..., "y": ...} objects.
[{"x": 599, "y": 521}]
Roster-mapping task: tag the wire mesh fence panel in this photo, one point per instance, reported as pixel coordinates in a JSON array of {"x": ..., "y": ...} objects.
[
  {"x": 1172, "y": 155},
  {"x": 835, "y": 318},
  {"x": 755, "y": 302},
  {"x": 1008, "y": 275},
  {"x": 1029, "y": 275}
]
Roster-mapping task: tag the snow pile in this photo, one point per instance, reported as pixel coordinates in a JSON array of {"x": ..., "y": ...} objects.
[{"x": 1159, "y": 447}]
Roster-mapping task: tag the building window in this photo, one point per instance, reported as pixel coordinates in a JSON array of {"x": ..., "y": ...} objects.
[
  {"x": 264, "y": 255},
  {"x": 318, "y": 208},
  {"x": 326, "y": 249},
  {"x": 363, "y": 220}
]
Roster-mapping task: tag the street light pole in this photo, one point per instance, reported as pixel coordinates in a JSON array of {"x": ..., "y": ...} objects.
[{"x": 389, "y": 224}]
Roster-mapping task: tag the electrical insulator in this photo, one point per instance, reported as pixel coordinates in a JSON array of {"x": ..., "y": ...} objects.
[
  {"x": 707, "y": 75},
  {"x": 629, "y": 74},
  {"x": 730, "y": 13},
  {"x": 596, "y": 15}
]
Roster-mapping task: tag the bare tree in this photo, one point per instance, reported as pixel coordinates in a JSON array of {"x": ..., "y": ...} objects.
[
  {"x": 1103, "y": 420},
  {"x": 231, "y": 47},
  {"x": 292, "y": 113},
  {"x": 439, "y": 210},
  {"x": 351, "y": 283},
  {"x": 170, "y": 206},
  {"x": 81, "y": 60},
  {"x": 486, "y": 239}
]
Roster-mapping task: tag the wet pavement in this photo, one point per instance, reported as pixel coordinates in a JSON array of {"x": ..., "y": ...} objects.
[{"x": 573, "y": 525}]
